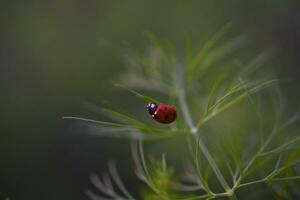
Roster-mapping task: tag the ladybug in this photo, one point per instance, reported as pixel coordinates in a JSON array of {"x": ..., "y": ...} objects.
[{"x": 162, "y": 113}]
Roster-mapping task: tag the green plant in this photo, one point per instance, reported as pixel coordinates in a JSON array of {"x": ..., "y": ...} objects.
[{"x": 257, "y": 145}]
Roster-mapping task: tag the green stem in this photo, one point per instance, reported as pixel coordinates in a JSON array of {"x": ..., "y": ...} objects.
[
  {"x": 259, "y": 152},
  {"x": 212, "y": 162},
  {"x": 202, "y": 146},
  {"x": 269, "y": 180},
  {"x": 250, "y": 183},
  {"x": 185, "y": 110}
]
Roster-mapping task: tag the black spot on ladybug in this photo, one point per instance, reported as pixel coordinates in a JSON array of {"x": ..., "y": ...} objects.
[{"x": 165, "y": 109}]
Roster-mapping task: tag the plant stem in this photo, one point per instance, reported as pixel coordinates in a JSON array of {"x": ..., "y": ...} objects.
[
  {"x": 212, "y": 162},
  {"x": 250, "y": 183},
  {"x": 259, "y": 152},
  {"x": 202, "y": 146},
  {"x": 269, "y": 180},
  {"x": 185, "y": 110}
]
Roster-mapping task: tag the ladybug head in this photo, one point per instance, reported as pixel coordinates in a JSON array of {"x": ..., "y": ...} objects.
[{"x": 151, "y": 108}]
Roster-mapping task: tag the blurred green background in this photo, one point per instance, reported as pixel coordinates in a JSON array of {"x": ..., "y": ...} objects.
[{"x": 58, "y": 55}]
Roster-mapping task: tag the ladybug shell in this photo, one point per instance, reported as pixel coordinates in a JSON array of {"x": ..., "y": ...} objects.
[{"x": 165, "y": 114}]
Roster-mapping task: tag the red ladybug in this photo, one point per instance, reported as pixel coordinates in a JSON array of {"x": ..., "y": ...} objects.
[{"x": 162, "y": 113}]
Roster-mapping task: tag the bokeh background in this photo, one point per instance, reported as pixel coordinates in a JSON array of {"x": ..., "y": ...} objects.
[{"x": 58, "y": 55}]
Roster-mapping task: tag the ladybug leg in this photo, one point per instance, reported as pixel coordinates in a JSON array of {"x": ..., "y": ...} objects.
[{"x": 155, "y": 116}]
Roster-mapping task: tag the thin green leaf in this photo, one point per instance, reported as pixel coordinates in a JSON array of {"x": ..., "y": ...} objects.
[
  {"x": 222, "y": 52},
  {"x": 282, "y": 147},
  {"x": 155, "y": 132},
  {"x": 234, "y": 150},
  {"x": 257, "y": 165},
  {"x": 207, "y": 173},
  {"x": 154, "y": 40},
  {"x": 237, "y": 100},
  {"x": 139, "y": 95},
  {"x": 207, "y": 47},
  {"x": 163, "y": 135},
  {"x": 127, "y": 118},
  {"x": 252, "y": 90},
  {"x": 286, "y": 178},
  {"x": 163, "y": 162},
  {"x": 217, "y": 84},
  {"x": 227, "y": 161},
  {"x": 145, "y": 167},
  {"x": 99, "y": 122},
  {"x": 235, "y": 89},
  {"x": 292, "y": 157},
  {"x": 258, "y": 62}
]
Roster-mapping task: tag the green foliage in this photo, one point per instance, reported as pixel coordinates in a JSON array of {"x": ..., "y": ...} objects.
[
  {"x": 163, "y": 181},
  {"x": 206, "y": 87}
]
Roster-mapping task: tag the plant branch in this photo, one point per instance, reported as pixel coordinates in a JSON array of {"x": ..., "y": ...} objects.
[
  {"x": 193, "y": 130},
  {"x": 185, "y": 110}
]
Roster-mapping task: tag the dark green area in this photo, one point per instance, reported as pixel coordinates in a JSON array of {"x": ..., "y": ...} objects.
[{"x": 56, "y": 56}]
